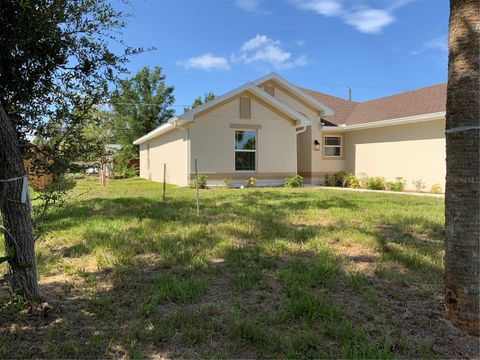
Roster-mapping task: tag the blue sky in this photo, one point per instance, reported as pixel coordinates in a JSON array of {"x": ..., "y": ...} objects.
[{"x": 376, "y": 47}]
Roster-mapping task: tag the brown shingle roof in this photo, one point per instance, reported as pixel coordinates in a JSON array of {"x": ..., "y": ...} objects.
[
  {"x": 341, "y": 107},
  {"x": 416, "y": 102}
]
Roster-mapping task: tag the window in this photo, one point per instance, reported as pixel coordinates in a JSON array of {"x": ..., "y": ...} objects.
[
  {"x": 245, "y": 150},
  {"x": 332, "y": 146}
]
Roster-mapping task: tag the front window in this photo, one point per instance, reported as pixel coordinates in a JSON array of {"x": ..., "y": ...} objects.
[
  {"x": 332, "y": 146},
  {"x": 245, "y": 150}
]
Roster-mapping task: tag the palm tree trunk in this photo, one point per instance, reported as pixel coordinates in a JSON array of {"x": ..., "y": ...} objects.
[
  {"x": 17, "y": 221},
  {"x": 462, "y": 200}
]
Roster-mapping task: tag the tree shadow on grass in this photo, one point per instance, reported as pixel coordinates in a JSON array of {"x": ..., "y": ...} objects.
[
  {"x": 146, "y": 294},
  {"x": 420, "y": 252},
  {"x": 269, "y": 306}
]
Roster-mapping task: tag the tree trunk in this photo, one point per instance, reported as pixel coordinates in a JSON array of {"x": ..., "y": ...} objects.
[
  {"x": 462, "y": 200},
  {"x": 22, "y": 275}
]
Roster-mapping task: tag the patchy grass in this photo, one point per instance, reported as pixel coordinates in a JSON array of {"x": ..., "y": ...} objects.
[{"x": 297, "y": 273}]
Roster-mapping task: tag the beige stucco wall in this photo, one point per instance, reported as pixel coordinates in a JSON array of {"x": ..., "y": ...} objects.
[
  {"x": 413, "y": 151},
  {"x": 172, "y": 149},
  {"x": 320, "y": 165},
  {"x": 212, "y": 142},
  {"x": 304, "y": 151},
  {"x": 294, "y": 104}
]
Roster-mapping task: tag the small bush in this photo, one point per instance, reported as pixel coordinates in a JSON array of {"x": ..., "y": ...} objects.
[
  {"x": 342, "y": 179},
  {"x": 293, "y": 181},
  {"x": 227, "y": 182},
  {"x": 436, "y": 189},
  {"x": 202, "y": 182},
  {"x": 251, "y": 182},
  {"x": 419, "y": 185},
  {"x": 397, "y": 185},
  {"x": 330, "y": 180},
  {"x": 76, "y": 176},
  {"x": 353, "y": 182},
  {"x": 375, "y": 183}
]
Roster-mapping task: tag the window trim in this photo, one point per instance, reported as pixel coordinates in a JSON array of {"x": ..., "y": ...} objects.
[
  {"x": 237, "y": 150},
  {"x": 324, "y": 146}
]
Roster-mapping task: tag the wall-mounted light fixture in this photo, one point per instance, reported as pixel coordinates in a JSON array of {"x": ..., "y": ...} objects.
[{"x": 316, "y": 145}]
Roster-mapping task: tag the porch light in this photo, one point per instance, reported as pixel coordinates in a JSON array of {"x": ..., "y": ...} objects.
[{"x": 316, "y": 145}]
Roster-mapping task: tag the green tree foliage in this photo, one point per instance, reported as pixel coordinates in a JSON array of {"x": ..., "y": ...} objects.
[
  {"x": 55, "y": 67},
  {"x": 199, "y": 101},
  {"x": 141, "y": 104}
]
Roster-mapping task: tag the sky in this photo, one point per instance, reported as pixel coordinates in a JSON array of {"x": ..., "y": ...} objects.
[{"x": 376, "y": 47}]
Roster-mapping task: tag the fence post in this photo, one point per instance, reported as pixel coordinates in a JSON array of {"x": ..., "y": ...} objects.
[
  {"x": 164, "y": 179},
  {"x": 196, "y": 186}
]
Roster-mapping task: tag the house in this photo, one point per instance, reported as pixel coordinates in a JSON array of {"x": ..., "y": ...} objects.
[{"x": 271, "y": 129}]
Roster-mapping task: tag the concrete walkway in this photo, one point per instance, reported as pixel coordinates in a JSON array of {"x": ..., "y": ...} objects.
[{"x": 441, "y": 196}]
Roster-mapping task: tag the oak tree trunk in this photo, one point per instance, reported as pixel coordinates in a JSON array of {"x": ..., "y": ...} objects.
[
  {"x": 462, "y": 200},
  {"x": 17, "y": 221}
]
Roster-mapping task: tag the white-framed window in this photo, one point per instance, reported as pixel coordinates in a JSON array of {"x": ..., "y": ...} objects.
[
  {"x": 332, "y": 146},
  {"x": 245, "y": 150}
]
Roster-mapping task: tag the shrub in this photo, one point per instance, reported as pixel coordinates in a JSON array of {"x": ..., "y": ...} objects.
[
  {"x": 419, "y": 185},
  {"x": 202, "y": 182},
  {"x": 436, "y": 189},
  {"x": 342, "y": 179},
  {"x": 227, "y": 182},
  {"x": 293, "y": 181},
  {"x": 330, "y": 180},
  {"x": 375, "y": 183},
  {"x": 251, "y": 182},
  {"x": 77, "y": 176},
  {"x": 397, "y": 185},
  {"x": 352, "y": 182}
]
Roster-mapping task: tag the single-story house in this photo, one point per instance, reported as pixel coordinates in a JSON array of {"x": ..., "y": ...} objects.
[{"x": 271, "y": 129}]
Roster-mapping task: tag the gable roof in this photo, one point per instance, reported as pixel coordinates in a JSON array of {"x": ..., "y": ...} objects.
[
  {"x": 410, "y": 105},
  {"x": 313, "y": 101},
  {"x": 189, "y": 116},
  {"x": 431, "y": 99},
  {"x": 249, "y": 87}
]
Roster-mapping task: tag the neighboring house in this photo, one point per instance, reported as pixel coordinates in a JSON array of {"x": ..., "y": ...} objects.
[{"x": 271, "y": 129}]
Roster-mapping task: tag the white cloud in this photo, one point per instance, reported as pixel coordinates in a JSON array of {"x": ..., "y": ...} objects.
[
  {"x": 251, "y": 6},
  {"x": 256, "y": 42},
  {"x": 322, "y": 7},
  {"x": 439, "y": 43},
  {"x": 365, "y": 19},
  {"x": 206, "y": 61},
  {"x": 264, "y": 50},
  {"x": 301, "y": 42},
  {"x": 369, "y": 21},
  {"x": 260, "y": 49}
]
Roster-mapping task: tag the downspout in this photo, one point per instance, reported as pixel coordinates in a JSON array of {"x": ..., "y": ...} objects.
[
  {"x": 302, "y": 130},
  {"x": 188, "y": 147}
]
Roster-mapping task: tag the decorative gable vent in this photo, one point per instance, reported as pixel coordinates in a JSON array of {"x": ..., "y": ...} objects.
[
  {"x": 270, "y": 89},
  {"x": 245, "y": 107}
]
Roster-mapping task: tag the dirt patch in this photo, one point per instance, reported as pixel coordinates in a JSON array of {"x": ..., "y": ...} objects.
[
  {"x": 413, "y": 322},
  {"x": 361, "y": 258},
  {"x": 246, "y": 242},
  {"x": 301, "y": 224}
]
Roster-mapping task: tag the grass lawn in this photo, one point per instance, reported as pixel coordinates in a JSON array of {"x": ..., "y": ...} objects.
[{"x": 304, "y": 273}]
